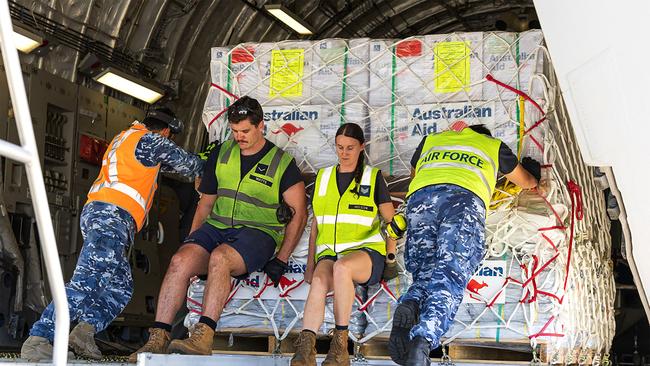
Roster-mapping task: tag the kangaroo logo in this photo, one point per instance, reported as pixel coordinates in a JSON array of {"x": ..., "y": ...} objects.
[
  {"x": 286, "y": 283},
  {"x": 289, "y": 129},
  {"x": 474, "y": 286}
]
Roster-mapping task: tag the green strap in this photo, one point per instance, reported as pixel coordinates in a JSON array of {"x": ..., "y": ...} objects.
[
  {"x": 228, "y": 86},
  {"x": 502, "y": 313},
  {"x": 345, "y": 83},
  {"x": 228, "y": 80},
  {"x": 519, "y": 127},
  {"x": 500, "y": 309},
  {"x": 392, "y": 109}
]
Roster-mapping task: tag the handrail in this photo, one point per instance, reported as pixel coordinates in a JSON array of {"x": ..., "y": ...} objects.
[{"x": 27, "y": 154}]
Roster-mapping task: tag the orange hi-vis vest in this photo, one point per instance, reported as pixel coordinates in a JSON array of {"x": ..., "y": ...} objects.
[{"x": 123, "y": 180}]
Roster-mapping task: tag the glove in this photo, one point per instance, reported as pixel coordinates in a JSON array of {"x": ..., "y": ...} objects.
[
  {"x": 275, "y": 268},
  {"x": 208, "y": 149},
  {"x": 533, "y": 167},
  {"x": 396, "y": 228},
  {"x": 390, "y": 271}
]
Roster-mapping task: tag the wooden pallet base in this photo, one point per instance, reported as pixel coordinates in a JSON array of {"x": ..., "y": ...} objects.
[
  {"x": 262, "y": 343},
  {"x": 461, "y": 350},
  {"x": 470, "y": 350}
]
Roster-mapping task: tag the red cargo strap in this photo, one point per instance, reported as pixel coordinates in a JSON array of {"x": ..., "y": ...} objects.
[
  {"x": 541, "y": 331},
  {"x": 514, "y": 90},
  {"x": 225, "y": 109},
  {"x": 284, "y": 292},
  {"x": 577, "y": 213},
  {"x": 232, "y": 292},
  {"x": 528, "y": 98},
  {"x": 224, "y": 90},
  {"x": 384, "y": 287}
]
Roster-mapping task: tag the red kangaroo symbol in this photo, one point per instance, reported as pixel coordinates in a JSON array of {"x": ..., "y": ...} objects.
[
  {"x": 474, "y": 286},
  {"x": 289, "y": 128},
  {"x": 285, "y": 282}
]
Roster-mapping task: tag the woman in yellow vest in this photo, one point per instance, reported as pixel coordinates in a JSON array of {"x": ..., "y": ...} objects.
[{"x": 345, "y": 245}]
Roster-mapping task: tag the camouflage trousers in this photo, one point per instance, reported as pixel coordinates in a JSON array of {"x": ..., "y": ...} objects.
[
  {"x": 101, "y": 285},
  {"x": 444, "y": 247}
]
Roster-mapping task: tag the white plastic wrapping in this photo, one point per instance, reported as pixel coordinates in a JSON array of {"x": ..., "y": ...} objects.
[{"x": 399, "y": 91}]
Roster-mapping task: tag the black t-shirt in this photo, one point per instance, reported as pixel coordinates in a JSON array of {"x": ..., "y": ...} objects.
[
  {"x": 343, "y": 180},
  {"x": 209, "y": 182},
  {"x": 382, "y": 195},
  {"x": 507, "y": 160}
]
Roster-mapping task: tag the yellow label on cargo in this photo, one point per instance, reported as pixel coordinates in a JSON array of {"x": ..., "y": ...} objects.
[
  {"x": 287, "y": 72},
  {"x": 451, "y": 66}
]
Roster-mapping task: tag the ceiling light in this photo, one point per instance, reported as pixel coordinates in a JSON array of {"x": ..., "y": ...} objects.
[
  {"x": 289, "y": 18},
  {"x": 130, "y": 85},
  {"x": 25, "y": 40}
]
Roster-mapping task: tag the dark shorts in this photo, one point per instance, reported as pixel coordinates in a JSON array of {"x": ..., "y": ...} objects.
[
  {"x": 254, "y": 246},
  {"x": 377, "y": 260}
]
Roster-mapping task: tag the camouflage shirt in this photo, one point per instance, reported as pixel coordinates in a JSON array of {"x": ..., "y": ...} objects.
[{"x": 153, "y": 149}]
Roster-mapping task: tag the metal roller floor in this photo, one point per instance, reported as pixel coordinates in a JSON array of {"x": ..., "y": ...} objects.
[{"x": 236, "y": 360}]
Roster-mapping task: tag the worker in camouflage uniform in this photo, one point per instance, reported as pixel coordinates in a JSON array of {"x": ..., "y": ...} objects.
[
  {"x": 455, "y": 173},
  {"x": 118, "y": 203}
]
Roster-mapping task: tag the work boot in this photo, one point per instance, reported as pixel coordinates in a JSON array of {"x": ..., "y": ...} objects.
[
  {"x": 338, "y": 353},
  {"x": 82, "y": 341},
  {"x": 407, "y": 315},
  {"x": 199, "y": 343},
  {"x": 36, "y": 349},
  {"x": 419, "y": 349},
  {"x": 158, "y": 343},
  {"x": 305, "y": 349}
]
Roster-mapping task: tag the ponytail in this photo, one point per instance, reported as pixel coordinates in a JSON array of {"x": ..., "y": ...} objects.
[{"x": 358, "y": 173}]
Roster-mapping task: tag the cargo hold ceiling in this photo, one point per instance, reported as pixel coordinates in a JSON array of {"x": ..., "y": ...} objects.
[{"x": 169, "y": 40}]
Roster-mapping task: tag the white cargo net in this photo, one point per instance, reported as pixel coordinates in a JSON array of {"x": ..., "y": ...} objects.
[{"x": 547, "y": 276}]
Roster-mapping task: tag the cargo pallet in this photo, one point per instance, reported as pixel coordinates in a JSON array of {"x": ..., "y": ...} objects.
[{"x": 249, "y": 341}]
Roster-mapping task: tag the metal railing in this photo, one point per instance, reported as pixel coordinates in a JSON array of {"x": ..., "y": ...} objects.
[{"x": 27, "y": 153}]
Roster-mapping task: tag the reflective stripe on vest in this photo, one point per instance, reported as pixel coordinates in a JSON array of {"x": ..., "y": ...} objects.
[
  {"x": 123, "y": 180},
  {"x": 235, "y": 222},
  {"x": 346, "y": 222},
  {"x": 118, "y": 186},
  {"x": 251, "y": 200},
  {"x": 467, "y": 159},
  {"x": 476, "y": 171}
]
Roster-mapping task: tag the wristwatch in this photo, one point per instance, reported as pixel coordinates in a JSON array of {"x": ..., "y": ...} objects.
[{"x": 390, "y": 257}]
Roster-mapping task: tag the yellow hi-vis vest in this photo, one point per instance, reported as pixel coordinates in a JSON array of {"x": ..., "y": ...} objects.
[
  {"x": 123, "y": 180},
  {"x": 250, "y": 201},
  {"x": 346, "y": 222},
  {"x": 467, "y": 159}
]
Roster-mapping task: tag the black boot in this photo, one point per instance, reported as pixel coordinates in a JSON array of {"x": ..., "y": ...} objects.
[
  {"x": 407, "y": 315},
  {"x": 419, "y": 349}
]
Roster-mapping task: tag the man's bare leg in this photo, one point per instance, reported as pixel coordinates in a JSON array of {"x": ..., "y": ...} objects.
[
  {"x": 225, "y": 262},
  {"x": 190, "y": 260}
]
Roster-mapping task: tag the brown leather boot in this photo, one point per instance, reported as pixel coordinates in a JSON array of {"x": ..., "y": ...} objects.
[
  {"x": 305, "y": 350},
  {"x": 82, "y": 341},
  {"x": 158, "y": 343},
  {"x": 199, "y": 343},
  {"x": 338, "y": 353},
  {"x": 39, "y": 349}
]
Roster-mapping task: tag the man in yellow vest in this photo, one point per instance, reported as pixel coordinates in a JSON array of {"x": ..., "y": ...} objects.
[
  {"x": 250, "y": 191},
  {"x": 118, "y": 203},
  {"x": 455, "y": 173}
]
